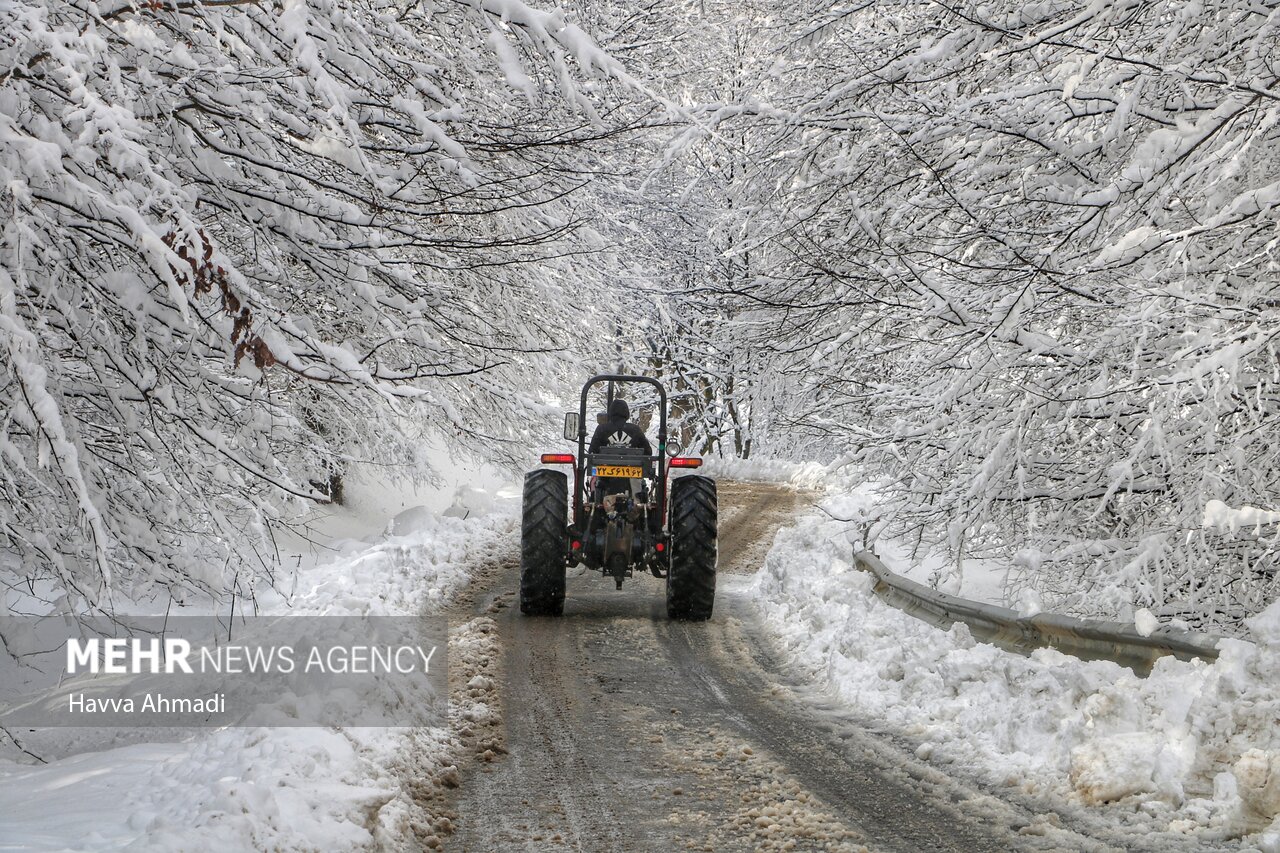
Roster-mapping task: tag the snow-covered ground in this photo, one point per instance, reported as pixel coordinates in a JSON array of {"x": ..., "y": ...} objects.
[
  {"x": 1194, "y": 748},
  {"x": 389, "y": 552},
  {"x": 800, "y": 475},
  {"x": 976, "y": 579}
]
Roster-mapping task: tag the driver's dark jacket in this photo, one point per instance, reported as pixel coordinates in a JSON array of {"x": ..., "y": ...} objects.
[{"x": 607, "y": 434}]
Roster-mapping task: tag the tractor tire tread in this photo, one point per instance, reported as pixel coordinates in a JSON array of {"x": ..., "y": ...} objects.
[
  {"x": 691, "y": 578},
  {"x": 543, "y": 556}
]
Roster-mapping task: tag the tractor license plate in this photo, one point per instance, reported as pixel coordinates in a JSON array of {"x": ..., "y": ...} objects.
[{"x": 633, "y": 471}]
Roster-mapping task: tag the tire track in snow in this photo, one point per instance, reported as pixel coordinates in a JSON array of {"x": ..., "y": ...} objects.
[{"x": 629, "y": 732}]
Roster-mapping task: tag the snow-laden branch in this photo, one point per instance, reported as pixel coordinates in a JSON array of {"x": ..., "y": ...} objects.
[{"x": 243, "y": 243}]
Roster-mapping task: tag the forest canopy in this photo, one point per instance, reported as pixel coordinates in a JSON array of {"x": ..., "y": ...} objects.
[{"x": 1015, "y": 262}]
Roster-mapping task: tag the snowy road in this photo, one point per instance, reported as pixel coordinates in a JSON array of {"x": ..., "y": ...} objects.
[{"x": 625, "y": 731}]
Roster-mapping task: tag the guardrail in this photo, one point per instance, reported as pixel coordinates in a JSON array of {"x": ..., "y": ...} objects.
[{"x": 1086, "y": 639}]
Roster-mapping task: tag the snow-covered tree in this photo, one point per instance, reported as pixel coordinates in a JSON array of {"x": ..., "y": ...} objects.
[
  {"x": 244, "y": 242},
  {"x": 1021, "y": 260},
  {"x": 667, "y": 206}
]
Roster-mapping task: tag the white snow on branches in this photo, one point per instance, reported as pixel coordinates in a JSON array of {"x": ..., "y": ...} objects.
[{"x": 244, "y": 246}]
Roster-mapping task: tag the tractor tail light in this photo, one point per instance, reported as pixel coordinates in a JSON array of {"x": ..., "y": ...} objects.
[
  {"x": 557, "y": 459},
  {"x": 684, "y": 462}
]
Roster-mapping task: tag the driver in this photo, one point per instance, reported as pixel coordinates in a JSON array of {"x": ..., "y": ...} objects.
[{"x": 617, "y": 431}]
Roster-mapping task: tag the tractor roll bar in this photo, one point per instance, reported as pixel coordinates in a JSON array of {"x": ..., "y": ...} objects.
[{"x": 580, "y": 470}]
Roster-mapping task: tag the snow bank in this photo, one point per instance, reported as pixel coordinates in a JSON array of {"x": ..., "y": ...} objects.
[
  {"x": 233, "y": 789},
  {"x": 267, "y": 788},
  {"x": 420, "y": 562},
  {"x": 859, "y": 504},
  {"x": 1195, "y": 745},
  {"x": 801, "y": 475}
]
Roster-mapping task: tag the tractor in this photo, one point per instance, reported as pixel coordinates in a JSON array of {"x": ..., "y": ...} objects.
[{"x": 626, "y": 517}]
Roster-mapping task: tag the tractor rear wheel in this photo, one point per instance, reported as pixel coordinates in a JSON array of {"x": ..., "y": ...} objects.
[
  {"x": 543, "y": 525},
  {"x": 691, "y": 580}
]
